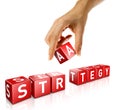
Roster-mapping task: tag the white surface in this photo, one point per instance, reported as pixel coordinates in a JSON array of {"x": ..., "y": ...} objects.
[{"x": 23, "y": 27}]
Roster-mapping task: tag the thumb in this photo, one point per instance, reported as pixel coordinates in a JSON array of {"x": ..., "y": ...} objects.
[
  {"x": 78, "y": 39},
  {"x": 79, "y": 35}
]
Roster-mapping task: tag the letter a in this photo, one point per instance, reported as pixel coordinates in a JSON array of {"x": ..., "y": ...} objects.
[
  {"x": 60, "y": 57},
  {"x": 69, "y": 50}
]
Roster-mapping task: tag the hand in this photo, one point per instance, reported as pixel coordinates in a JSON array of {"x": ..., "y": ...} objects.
[
  {"x": 75, "y": 19},
  {"x": 70, "y": 20}
]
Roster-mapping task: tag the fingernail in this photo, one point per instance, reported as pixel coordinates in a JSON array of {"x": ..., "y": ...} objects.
[{"x": 50, "y": 57}]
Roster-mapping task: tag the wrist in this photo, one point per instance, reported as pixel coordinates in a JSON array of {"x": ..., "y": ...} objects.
[
  {"x": 84, "y": 6},
  {"x": 92, "y": 3}
]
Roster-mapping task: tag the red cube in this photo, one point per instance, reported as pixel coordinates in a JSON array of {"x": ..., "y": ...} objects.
[
  {"x": 18, "y": 89},
  {"x": 99, "y": 71},
  {"x": 40, "y": 84},
  {"x": 78, "y": 76},
  {"x": 57, "y": 81},
  {"x": 64, "y": 52}
]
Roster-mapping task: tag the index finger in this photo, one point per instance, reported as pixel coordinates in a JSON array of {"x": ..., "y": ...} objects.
[
  {"x": 53, "y": 36},
  {"x": 52, "y": 47}
]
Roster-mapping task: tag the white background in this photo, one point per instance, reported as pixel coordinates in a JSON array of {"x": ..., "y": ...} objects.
[{"x": 23, "y": 52}]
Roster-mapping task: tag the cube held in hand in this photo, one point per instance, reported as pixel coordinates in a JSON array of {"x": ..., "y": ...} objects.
[{"x": 64, "y": 52}]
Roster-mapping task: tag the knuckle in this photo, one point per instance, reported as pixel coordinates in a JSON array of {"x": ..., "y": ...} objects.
[
  {"x": 47, "y": 40},
  {"x": 60, "y": 21}
]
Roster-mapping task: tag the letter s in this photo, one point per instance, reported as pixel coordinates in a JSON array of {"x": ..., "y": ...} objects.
[
  {"x": 7, "y": 90},
  {"x": 22, "y": 90}
]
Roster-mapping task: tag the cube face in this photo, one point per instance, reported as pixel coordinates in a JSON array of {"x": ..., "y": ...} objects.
[
  {"x": 78, "y": 76},
  {"x": 91, "y": 73},
  {"x": 59, "y": 54},
  {"x": 64, "y": 53},
  {"x": 83, "y": 76},
  {"x": 68, "y": 50},
  {"x": 40, "y": 85},
  {"x": 8, "y": 90},
  {"x": 18, "y": 89},
  {"x": 73, "y": 76},
  {"x": 57, "y": 81}
]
